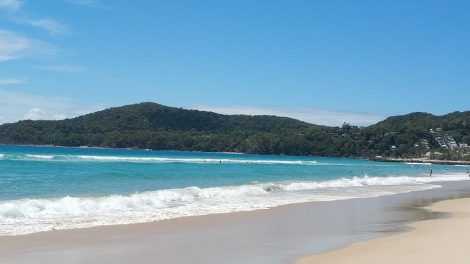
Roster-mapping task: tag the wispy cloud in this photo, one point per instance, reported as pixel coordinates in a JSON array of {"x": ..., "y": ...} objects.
[
  {"x": 10, "y": 81},
  {"x": 14, "y": 46},
  {"x": 61, "y": 68},
  {"x": 89, "y": 3},
  {"x": 82, "y": 2},
  {"x": 10, "y": 5},
  {"x": 310, "y": 115},
  {"x": 16, "y": 106},
  {"x": 53, "y": 27}
]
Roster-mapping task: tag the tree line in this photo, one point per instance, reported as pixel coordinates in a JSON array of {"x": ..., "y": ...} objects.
[{"x": 158, "y": 127}]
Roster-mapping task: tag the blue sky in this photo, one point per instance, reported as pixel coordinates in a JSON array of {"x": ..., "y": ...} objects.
[{"x": 325, "y": 62}]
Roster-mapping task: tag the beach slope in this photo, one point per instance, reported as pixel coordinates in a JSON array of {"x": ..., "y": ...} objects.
[{"x": 431, "y": 241}]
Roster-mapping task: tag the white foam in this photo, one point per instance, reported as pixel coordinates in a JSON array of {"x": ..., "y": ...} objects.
[
  {"x": 35, "y": 215},
  {"x": 191, "y": 160},
  {"x": 2, "y": 156},
  {"x": 150, "y": 159},
  {"x": 47, "y": 157}
]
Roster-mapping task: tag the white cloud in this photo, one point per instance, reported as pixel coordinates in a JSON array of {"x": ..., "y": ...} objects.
[
  {"x": 34, "y": 114},
  {"x": 53, "y": 27},
  {"x": 16, "y": 106},
  {"x": 10, "y": 81},
  {"x": 10, "y": 5},
  {"x": 14, "y": 46},
  {"x": 61, "y": 68},
  {"x": 310, "y": 115},
  {"x": 59, "y": 116}
]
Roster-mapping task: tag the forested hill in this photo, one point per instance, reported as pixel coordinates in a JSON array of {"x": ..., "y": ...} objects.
[{"x": 154, "y": 126}]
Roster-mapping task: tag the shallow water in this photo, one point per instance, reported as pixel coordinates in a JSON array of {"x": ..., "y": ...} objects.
[
  {"x": 45, "y": 188},
  {"x": 275, "y": 236}
]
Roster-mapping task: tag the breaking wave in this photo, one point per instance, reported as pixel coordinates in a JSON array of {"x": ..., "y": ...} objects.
[
  {"x": 47, "y": 157},
  {"x": 34, "y": 215},
  {"x": 96, "y": 158}
]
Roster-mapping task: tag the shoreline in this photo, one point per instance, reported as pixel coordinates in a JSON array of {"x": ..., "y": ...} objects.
[
  {"x": 422, "y": 161},
  {"x": 280, "y": 234},
  {"x": 441, "y": 240}
]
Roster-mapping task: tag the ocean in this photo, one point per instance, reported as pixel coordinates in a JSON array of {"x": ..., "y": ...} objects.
[{"x": 51, "y": 188}]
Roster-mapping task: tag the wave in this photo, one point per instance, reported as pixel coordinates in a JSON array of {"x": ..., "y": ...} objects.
[
  {"x": 35, "y": 215},
  {"x": 96, "y": 158},
  {"x": 194, "y": 160},
  {"x": 48, "y": 157},
  {"x": 2, "y": 156}
]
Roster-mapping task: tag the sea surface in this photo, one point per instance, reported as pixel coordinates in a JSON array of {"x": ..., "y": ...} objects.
[{"x": 50, "y": 188}]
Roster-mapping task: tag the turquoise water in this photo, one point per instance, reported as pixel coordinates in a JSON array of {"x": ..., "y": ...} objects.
[{"x": 43, "y": 188}]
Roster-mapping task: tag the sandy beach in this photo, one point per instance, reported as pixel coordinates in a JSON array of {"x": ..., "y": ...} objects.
[{"x": 432, "y": 241}]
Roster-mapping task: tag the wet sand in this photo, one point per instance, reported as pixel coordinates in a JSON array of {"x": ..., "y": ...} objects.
[
  {"x": 278, "y": 235},
  {"x": 432, "y": 241}
]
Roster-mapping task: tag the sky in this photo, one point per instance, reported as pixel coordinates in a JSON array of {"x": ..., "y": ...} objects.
[{"x": 321, "y": 61}]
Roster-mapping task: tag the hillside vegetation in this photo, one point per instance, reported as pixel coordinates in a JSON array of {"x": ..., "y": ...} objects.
[{"x": 154, "y": 126}]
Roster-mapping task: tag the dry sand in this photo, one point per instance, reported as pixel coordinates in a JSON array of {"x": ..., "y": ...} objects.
[{"x": 431, "y": 241}]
